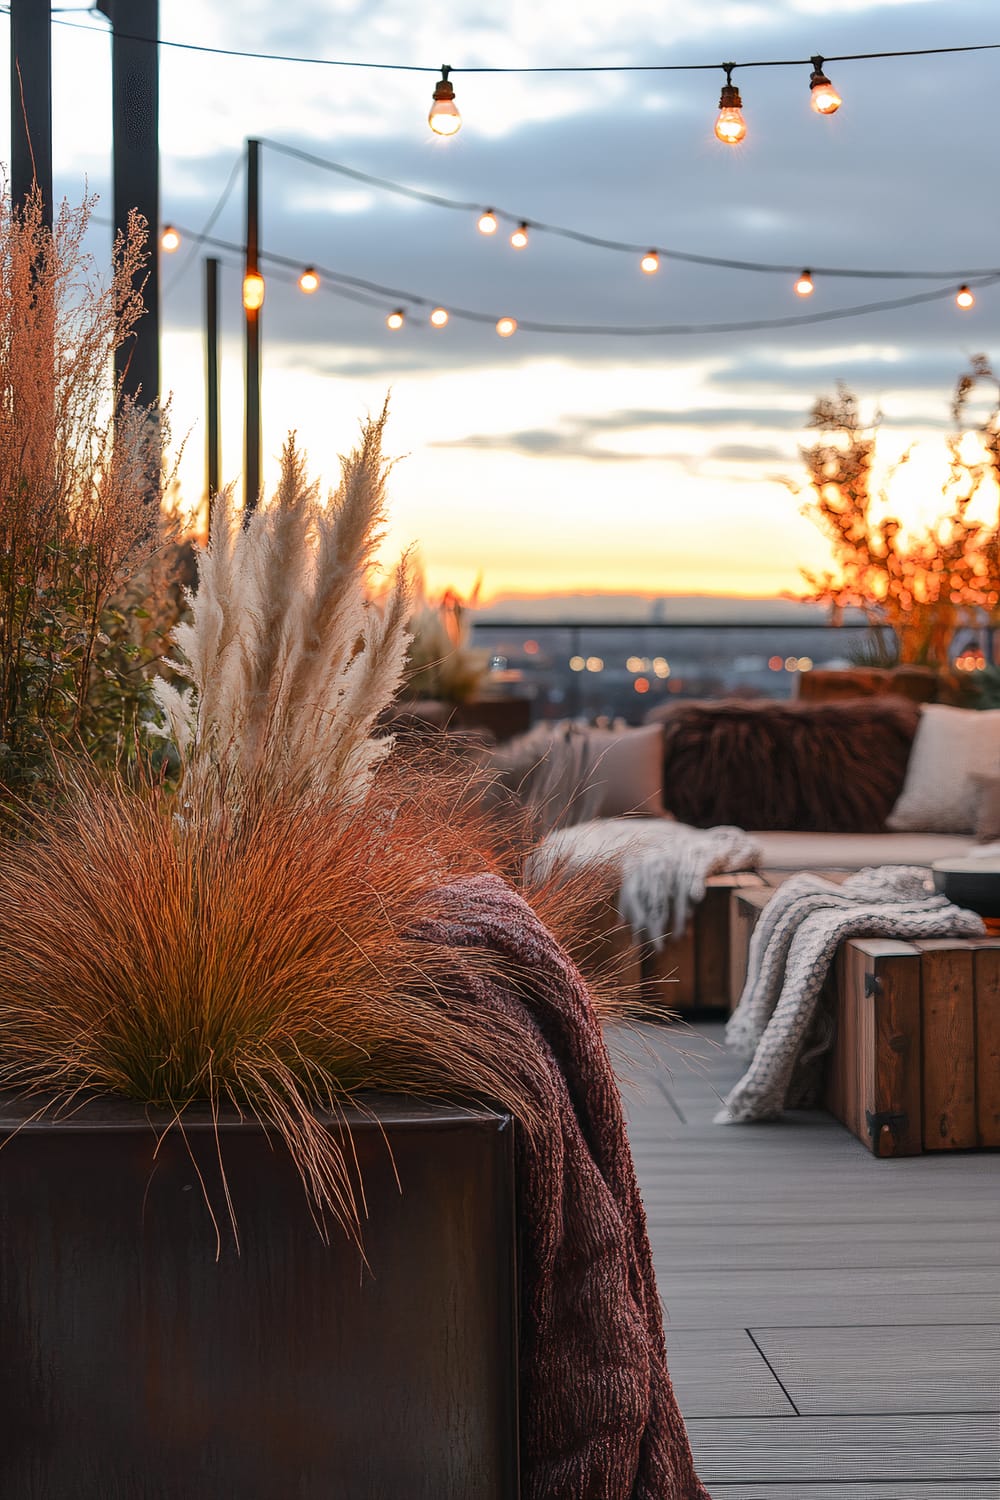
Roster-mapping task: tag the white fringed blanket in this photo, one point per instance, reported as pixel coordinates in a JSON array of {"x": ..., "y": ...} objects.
[
  {"x": 791, "y": 950},
  {"x": 662, "y": 865}
]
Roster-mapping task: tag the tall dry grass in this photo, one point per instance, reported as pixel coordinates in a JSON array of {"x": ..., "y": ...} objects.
[
  {"x": 290, "y": 663},
  {"x": 80, "y": 471}
]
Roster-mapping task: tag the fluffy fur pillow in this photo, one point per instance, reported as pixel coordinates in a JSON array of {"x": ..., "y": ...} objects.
[{"x": 815, "y": 767}]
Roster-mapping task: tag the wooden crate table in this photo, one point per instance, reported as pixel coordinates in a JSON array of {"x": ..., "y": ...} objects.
[
  {"x": 691, "y": 973},
  {"x": 915, "y": 1062}
]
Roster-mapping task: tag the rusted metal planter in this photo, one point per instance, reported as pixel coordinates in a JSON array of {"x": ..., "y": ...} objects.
[{"x": 138, "y": 1366}]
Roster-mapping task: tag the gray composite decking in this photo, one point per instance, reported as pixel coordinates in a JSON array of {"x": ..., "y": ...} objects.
[{"x": 833, "y": 1321}]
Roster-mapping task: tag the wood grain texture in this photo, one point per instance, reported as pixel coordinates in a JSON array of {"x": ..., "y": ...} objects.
[
  {"x": 987, "y": 1027},
  {"x": 948, "y": 1022}
]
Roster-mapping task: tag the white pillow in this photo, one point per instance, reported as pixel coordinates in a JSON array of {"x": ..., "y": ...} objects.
[
  {"x": 951, "y": 747},
  {"x": 627, "y": 766}
]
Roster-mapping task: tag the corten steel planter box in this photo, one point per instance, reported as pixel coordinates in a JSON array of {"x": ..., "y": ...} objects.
[{"x": 138, "y": 1367}]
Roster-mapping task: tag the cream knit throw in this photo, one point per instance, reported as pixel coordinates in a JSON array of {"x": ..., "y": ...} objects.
[
  {"x": 662, "y": 865},
  {"x": 792, "y": 947}
]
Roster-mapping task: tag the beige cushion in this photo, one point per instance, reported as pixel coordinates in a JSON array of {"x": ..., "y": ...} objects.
[
  {"x": 950, "y": 747},
  {"x": 987, "y": 808},
  {"x": 627, "y": 766},
  {"x": 854, "y": 851}
]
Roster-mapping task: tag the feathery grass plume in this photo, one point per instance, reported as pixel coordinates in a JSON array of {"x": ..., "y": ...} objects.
[
  {"x": 290, "y": 665},
  {"x": 266, "y": 963},
  {"x": 80, "y": 474}
]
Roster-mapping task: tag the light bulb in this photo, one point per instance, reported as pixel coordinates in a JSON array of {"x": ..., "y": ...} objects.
[
  {"x": 487, "y": 222},
  {"x": 650, "y": 263},
  {"x": 520, "y": 237},
  {"x": 253, "y": 291},
  {"x": 730, "y": 127},
  {"x": 170, "y": 240},
  {"x": 308, "y": 281},
  {"x": 506, "y": 326},
  {"x": 444, "y": 118},
  {"x": 825, "y": 99},
  {"x": 439, "y": 317},
  {"x": 805, "y": 286},
  {"x": 964, "y": 297},
  {"x": 396, "y": 319}
]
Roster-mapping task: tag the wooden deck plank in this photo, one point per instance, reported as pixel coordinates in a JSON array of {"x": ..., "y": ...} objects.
[
  {"x": 722, "y": 1373},
  {"x": 966, "y": 1490},
  {"x": 841, "y": 1371},
  {"x": 801, "y": 1450}
]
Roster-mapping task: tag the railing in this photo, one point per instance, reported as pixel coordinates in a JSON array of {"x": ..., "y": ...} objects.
[{"x": 622, "y": 668}]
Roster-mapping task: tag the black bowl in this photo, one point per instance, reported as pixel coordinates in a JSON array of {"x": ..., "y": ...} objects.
[{"x": 976, "y": 890}]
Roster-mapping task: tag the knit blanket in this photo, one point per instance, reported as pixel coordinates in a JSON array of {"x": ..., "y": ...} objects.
[
  {"x": 599, "y": 1420},
  {"x": 662, "y": 866},
  {"x": 791, "y": 949}
]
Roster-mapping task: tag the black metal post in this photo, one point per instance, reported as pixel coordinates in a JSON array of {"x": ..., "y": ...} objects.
[
  {"x": 135, "y": 117},
  {"x": 212, "y": 464},
  {"x": 252, "y": 418},
  {"x": 31, "y": 103}
]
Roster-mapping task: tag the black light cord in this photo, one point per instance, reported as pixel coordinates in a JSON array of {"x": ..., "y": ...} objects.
[
  {"x": 331, "y": 62},
  {"x": 768, "y": 267}
]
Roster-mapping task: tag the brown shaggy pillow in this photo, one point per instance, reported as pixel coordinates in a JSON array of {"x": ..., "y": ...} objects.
[{"x": 815, "y": 767}]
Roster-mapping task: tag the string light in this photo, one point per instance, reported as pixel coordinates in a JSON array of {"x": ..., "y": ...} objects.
[
  {"x": 396, "y": 319},
  {"x": 439, "y": 317},
  {"x": 253, "y": 291},
  {"x": 506, "y": 326},
  {"x": 520, "y": 237},
  {"x": 309, "y": 281},
  {"x": 805, "y": 286},
  {"x": 964, "y": 297},
  {"x": 170, "y": 240},
  {"x": 444, "y": 118},
  {"x": 825, "y": 100},
  {"x": 730, "y": 127},
  {"x": 650, "y": 263},
  {"x": 487, "y": 222}
]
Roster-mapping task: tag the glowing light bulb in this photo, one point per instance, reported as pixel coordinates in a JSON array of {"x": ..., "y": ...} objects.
[
  {"x": 439, "y": 317},
  {"x": 964, "y": 297},
  {"x": 170, "y": 240},
  {"x": 487, "y": 222},
  {"x": 805, "y": 286},
  {"x": 825, "y": 99},
  {"x": 309, "y": 281},
  {"x": 253, "y": 291},
  {"x": 506, "y": 326},
  {"x": 650, "y": 263},
  {"x": 444, "y": 118},
  {"x": 396, "y": 319},
  {"x": 730, "y": 127},
  {"x": 520, "y": 237}
]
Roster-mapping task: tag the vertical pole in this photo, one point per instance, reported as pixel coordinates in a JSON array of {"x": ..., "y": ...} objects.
[
  {"x": 212, "y": 464},
  {"x": 135, "y": 97},
  {"x": 31, "y": 103},
  {"x": 252, "y": 419}
]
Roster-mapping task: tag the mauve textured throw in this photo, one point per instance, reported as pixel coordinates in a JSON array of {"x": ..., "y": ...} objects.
[{"x": 599, "y": 1420}]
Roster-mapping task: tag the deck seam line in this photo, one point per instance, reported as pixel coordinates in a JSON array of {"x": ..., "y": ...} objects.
[{"x": 773, "y": 1372}]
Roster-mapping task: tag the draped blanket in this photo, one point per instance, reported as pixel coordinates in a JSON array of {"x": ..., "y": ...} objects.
[
  {"x": 662, "y": 865},
  {"x": 791, "y": 949},
  {"x": 599, "y": 1420}
]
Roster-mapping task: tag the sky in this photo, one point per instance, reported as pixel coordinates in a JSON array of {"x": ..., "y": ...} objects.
[{"x": 546, "y": 461}]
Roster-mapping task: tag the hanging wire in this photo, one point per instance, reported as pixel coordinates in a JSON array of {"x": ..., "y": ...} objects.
[
  {"x": 631, "y": 248},
  {"x": 197, "y": 240},
  {"x": 333, "y": 62}
]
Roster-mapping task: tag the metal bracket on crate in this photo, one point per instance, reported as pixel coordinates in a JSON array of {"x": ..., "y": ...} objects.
[
  {"x": 873, "y": 984},
  {"x": 878, "y": 1124}
]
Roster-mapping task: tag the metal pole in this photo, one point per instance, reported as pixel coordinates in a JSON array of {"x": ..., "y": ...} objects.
[
  {"x": 135, "y": 115},
  {"x": 252, "y": 418},
  {"x": 212, "y": 464},
  {"x": 31, "y": 103}
]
